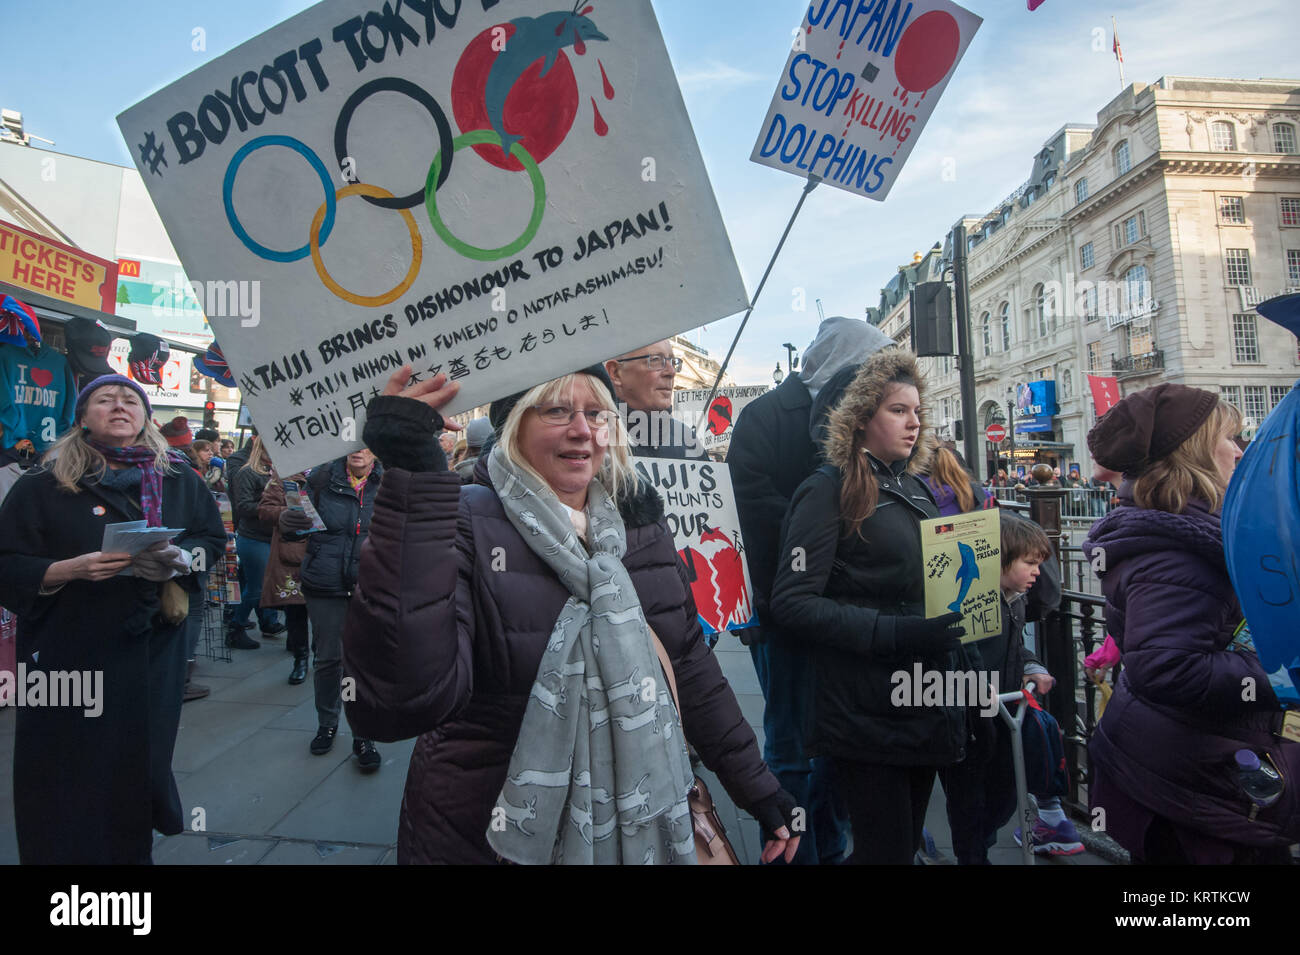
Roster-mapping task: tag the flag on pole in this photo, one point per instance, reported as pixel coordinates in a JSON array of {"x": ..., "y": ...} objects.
[{"x": 1115, "y": 48}]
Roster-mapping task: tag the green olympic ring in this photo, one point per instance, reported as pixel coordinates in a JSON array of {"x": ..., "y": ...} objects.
[{"x": 474, "y": 138}]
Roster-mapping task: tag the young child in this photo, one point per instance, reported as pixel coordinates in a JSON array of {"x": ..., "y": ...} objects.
[{"x": 981, "y": 790}]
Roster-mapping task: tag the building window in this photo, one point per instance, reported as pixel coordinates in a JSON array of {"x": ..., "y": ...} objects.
[
  {"x": 987, "y": 334},
  {"x": 1094, "y": 356},
  {"x": 1130, "y": 230},
  {"x": 1231, "y": 210},
  {"x": 1283, "y": 138},
  {"x": 1005, "y": 317},
  {"x": 1275, "y": 395},
  {"x": 1223, "y": 137},
  {"x": 1081, "y": 190},
  {"x": 1140, "y": 341},
  {"x": 1137, "y": 284},
  {"x": 1245, "y": 339},
  {"x": 1123, "y": 162},
  {"x": 1232, "y": 395},
  {"x": 1256, "y": 403},
  {"x": 1290, "y": 210},
  {"x": 1040, "y": 310},
  {"x": 1090, "y": 304},
  {"x": 1238, "y": 266},
  {"x": 1085, "y": 256},
  {"x": 1293, "y": 268}
]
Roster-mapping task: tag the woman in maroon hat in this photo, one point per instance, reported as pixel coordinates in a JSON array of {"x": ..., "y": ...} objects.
[
  {"x": 1193, "y": 698},
  {"x": 92, "y": 776}
]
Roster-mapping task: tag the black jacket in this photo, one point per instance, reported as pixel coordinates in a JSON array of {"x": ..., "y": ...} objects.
[
  {"x": 841, "y": 595},
  {"x": 236, "y": 461},
  {"x": 679, "y": 450},
  {"x": 246, "y": 499},
  {"x": 330, "y": 567},
  {"x": 90, "y": 791},
  {"x": 771, "y": 454}
]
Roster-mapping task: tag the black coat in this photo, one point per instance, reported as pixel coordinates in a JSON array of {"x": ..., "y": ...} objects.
[
  {"x": 246, "y": 492},
  {"x": 771, "y": 454},
  {"x": 842, "y": 600},
  {"x": 329, "y": 568},
  {"x": 91, "y": 790},
  {"x": 680, "y": 450}
]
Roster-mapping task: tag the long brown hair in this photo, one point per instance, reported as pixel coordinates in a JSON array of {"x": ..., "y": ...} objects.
[
  {"x": 1189, "y": 471},
  {"x": 845, "y": 447},
  {"x": 948, "y": 471},
  {"x": 259, "y": 459}
]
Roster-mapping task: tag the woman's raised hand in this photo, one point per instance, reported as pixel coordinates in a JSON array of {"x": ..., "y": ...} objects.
[{"x": 436, "y": 392}]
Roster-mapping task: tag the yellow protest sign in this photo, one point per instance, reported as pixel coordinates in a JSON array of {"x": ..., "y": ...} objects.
[{"x": 962, "y": 557}]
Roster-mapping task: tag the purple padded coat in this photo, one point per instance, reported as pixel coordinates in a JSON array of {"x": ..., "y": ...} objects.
[
  {"x": 445, "y": 646},
  {"x": 1185, "y": 702}
]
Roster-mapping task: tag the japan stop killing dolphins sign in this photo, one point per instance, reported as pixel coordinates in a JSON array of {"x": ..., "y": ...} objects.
[
  {"x": 500, "y": 190},
  {"x": 861, "y": 81}
]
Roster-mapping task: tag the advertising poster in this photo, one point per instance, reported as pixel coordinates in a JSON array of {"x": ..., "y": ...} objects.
[
  {"x": 714, "y": 428},
  {"x": 858, "y": 87},
  {"x": 962, "y": 556},
  {"x": 499, "y": 192},
  {"x": 701, "y": 510}
]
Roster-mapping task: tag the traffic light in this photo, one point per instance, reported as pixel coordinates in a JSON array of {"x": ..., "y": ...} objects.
[
  {"x": 931, "y": 312},
  {"x": 957, "y": 430},
  {"x": 209, "y": 406}
]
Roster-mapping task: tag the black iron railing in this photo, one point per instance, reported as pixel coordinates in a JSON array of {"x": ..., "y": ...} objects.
[{"x": 1142, "y": 364}]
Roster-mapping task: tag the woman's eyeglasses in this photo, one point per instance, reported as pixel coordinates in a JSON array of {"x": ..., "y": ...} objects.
[
  {"x": 656, "y": 362},
  {"x": 562, "y": 415}
]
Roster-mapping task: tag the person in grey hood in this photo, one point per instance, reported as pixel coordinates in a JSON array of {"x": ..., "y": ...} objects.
[{"x": 775, "y": 446}]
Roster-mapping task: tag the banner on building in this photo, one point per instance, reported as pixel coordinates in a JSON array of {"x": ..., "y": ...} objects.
[
  {"x": 859, "y": 85},
  {"x": 714, "y": 428},
  {"x": 1105, "y": 393},
  {"x": 700, "y": 508},
  {"x": 962, "y": 557},
  {"x": 502, "y": 193}
]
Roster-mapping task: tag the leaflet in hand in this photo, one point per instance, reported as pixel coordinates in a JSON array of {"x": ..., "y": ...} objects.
[
  {"x": 294, "y": 497},
  {"x": 132, "y": 537}
]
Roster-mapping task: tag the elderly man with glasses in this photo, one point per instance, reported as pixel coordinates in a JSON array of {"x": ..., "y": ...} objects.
[{"x": 643, "y": 384}]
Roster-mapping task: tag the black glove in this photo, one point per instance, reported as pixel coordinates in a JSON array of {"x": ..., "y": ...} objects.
[
  {"x": 775, "y": 811},
  {"x": 402, "y": 434},
  {"x": 294, "y": 520},
  {"x": 929, "y": 637}
]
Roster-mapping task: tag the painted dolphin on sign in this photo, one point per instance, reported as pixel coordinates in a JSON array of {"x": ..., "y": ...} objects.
[
  {"x": 534, "y": 38},
  {"x": 967, "y": 574}
]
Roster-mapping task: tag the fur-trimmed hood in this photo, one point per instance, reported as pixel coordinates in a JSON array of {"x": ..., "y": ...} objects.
[{"x": 862, "y": 399}]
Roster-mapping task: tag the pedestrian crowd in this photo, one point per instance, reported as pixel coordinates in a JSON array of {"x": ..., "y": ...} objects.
[{"x": 514, "y": 599}]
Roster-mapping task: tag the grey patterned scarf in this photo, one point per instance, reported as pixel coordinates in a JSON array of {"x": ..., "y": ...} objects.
[{"x": 599, "y": 774}]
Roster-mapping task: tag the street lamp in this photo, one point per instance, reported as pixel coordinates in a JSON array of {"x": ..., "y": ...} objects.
[
  {"x": 778, "y": 376},
  {"x": 791, "y": 357}
]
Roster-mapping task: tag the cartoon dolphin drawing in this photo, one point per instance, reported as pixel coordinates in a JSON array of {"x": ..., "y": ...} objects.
[
  {"x": 967, "y": 574},
  {"x": 534, "y": 38}
]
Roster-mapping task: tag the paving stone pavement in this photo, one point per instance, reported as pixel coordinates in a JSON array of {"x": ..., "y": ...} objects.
[{"x": 244, "y": 770}]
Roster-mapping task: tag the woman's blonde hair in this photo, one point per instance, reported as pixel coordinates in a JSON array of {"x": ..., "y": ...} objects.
[
  {"x": 1189, "y": 472},
  {"x": 71, "y": 458},
  {"x": 947, "y": 470},
  {"x": 616, "y": 473},
  {"x": 259, "y": 460}
]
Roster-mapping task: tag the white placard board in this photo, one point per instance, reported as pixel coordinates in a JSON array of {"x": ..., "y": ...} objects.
[
  {"x": 700, "y": 508},
  {"x": 337, "y": 191},
  {"x": 859, "y": 85},
  {"x": 714, "y": 428}
]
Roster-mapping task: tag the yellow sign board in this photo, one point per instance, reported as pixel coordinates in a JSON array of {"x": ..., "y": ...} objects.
[{"x": 962, "y": 557}]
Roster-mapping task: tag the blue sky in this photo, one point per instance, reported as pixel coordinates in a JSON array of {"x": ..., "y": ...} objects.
[{"x": 72, "y": 67}]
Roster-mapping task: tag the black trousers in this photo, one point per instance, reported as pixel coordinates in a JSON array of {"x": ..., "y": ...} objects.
[
  {"x": 295, "y": 618},
  {"x": 886, "y": 809}
]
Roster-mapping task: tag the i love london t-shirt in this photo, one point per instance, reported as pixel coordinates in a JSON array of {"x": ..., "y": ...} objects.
[{"x": 37, "y": 396}]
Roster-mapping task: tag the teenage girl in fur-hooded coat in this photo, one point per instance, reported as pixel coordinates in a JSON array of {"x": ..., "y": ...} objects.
[{"x": 856, "y": 594}]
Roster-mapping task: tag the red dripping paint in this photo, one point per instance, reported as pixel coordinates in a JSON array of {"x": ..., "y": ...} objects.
[
  {"x": 579, "y": 47},
  {"x": 602, "y": 127},
  {"x": 609, "y": 87}
]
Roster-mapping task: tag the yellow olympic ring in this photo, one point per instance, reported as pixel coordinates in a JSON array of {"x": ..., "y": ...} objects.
[{"x": 417, "y": 250}]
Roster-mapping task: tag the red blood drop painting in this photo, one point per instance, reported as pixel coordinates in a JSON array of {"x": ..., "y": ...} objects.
[
  {"x": 721, "y": 597},
  {"x": 927, "y": 51}
]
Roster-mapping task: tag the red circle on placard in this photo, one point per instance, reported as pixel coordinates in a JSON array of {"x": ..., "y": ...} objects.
[
  {"x": 720, "y": 415},
  {"x": 995, "y": 433},
  {"x": 927, "y": 51},
  {"x": 543, "y": 107}
]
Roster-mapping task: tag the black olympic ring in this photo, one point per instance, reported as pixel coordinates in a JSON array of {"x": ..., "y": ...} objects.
[{"x": 395, "y": 85}]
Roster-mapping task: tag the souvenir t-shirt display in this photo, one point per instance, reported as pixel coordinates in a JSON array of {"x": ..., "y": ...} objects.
[{"x": 37, "y": 396}]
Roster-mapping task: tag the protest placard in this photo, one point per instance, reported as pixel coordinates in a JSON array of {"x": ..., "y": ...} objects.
[
  {"x": 859, "y": 85},
  {"x": 962, "y": 557},
  {"x": 499, "y": 192},
  {"x": 714, "y": 428},
  {"x": 700, "y": 508}
]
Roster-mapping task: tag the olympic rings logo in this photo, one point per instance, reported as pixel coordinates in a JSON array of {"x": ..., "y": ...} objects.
[{"x": 322, "y": 224}]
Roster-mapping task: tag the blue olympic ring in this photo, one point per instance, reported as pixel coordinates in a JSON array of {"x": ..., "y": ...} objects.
[{"x": 228, "y": 189}]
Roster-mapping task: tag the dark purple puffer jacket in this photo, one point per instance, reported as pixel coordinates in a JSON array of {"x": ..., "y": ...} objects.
[
  {"x": 1185, "y": 702},
  {"x": 445, "y": 647}
]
